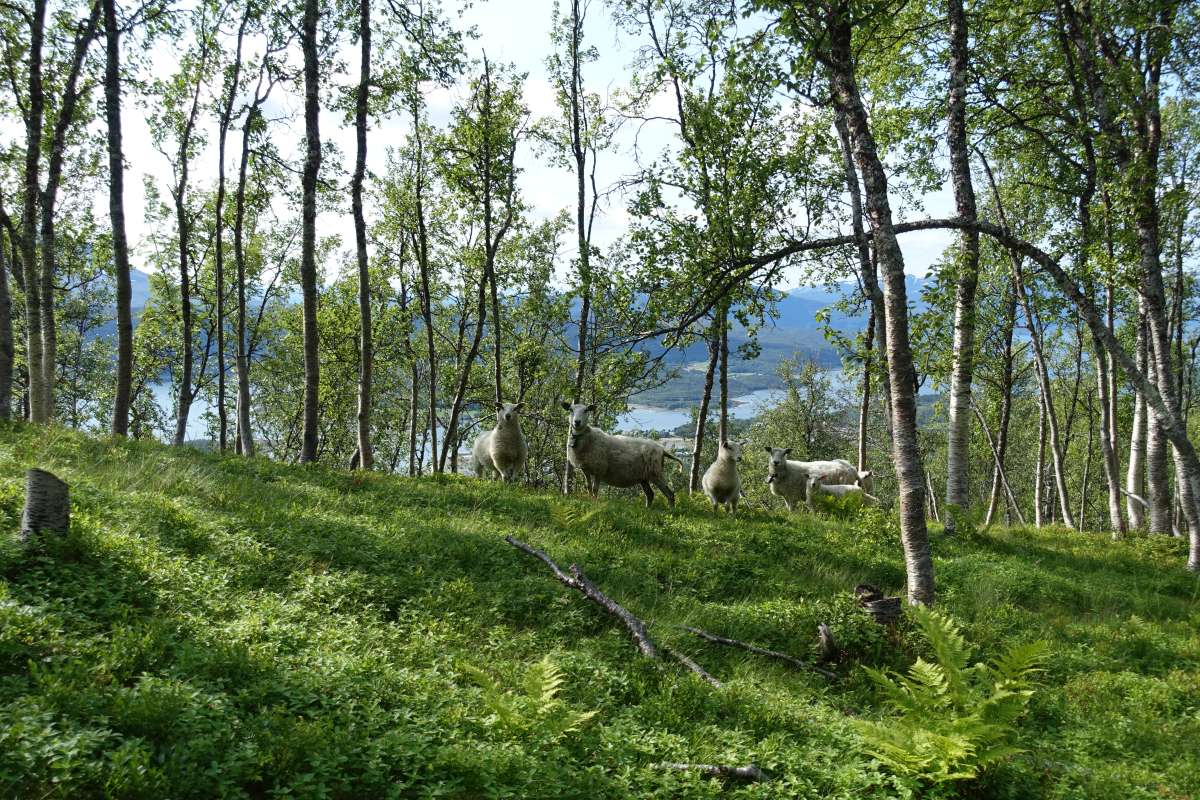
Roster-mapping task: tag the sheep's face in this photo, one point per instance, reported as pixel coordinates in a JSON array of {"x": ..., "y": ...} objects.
[
  {"x": 864, "y": 479},
  {"x": 777, "y": 465},
  {"x": 508, "y": 413},
  {"x": 578, "y": 416},
  {"x": 732, "y": 450}
]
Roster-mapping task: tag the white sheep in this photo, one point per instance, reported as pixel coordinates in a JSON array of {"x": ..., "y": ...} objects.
[
  {"x": 721, "y": 482},
  {"x": 839, "y": 471},
  {"x": 621, "y": 461},
  {"x": 816, "y": 487},
  {"x": 788, "y": 479},
  {"x": 501, "y": 452}
]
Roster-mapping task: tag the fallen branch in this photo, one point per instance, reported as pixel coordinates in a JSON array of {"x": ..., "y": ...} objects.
[
  {"x": 637, "y": 629},
  {"x": 692, "y": 665},
  {"x": 580, "y": 583},
  {"x": 750, "y": 772},
  {"x": 762, "y": 651}
]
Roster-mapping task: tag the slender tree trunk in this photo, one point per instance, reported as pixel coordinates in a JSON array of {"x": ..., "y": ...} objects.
[
  {"x": 906, "y": 453},
  {"x": 1158, "y": 478},
  {"x": 958, "y": 435},
  {"x": 1039, "y": 478},
  {"x": 998, "y": 463},
  {"x": 57, "y": 158},
  {"x": 583, "y": 231},
  {"x": 1087, "y": 469},
  {"x": 1006, "y": 389},
  {"x": 1135, "y": 475},
  {"x": 865, "y": 260},
  {"x": 116, "y": 207},
  {"x": 1112, "y": 476},
  {"x": 460, "y": 394},
  {"x": 39, "y": 410},
  {"x": 366, "y": 455},
  {"x": 714, "y": 355},
  {"x": 184, "y": 403},
  {"x": 864, "y": 406},
  {"x": 219, "y": 249},
  {"x": 723, "y": 377},
  {"x": 242, "y": 362},
  {"x": 308, "y": 256},
  {"x": 421, "y": 248},
  {"x": 6, "y": 338}
]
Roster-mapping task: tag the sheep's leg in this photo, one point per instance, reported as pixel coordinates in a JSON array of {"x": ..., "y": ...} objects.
[
  {"x": 787, "y": 501},
  {"x": 649, "y": 493},
  {"x": 665, "y": 488},
  {"x": 593, "y": 485}
]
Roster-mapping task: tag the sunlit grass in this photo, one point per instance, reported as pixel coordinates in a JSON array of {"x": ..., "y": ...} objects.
[{"x": 226, "y": 627}]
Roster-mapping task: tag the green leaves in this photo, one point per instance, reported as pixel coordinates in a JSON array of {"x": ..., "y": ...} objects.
[
  {"x": 954, "y": 720},
  {"x": 535, "y": 712}
]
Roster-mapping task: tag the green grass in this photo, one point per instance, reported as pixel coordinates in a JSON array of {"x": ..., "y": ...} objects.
[{"x": 222, "y": 627}]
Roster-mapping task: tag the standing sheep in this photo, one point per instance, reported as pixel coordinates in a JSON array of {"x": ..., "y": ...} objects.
[
  {"x": 502, "y": 450},
  {"x": 721, "y": 481},
  {"x": 621, "y": 461},
  {"x": 788, "y": 479}
]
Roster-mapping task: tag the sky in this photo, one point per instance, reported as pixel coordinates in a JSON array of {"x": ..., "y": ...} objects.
[{"x": 509, "y": 31}]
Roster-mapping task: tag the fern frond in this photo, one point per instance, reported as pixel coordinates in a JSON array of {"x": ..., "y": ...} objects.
[
  {"x": 542, "y": 681},
  {"x": 949, "y": 647},
  {"x": 1020, "y": 661}
]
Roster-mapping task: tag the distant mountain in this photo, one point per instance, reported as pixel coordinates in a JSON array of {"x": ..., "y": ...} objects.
[{"x": 795, "y": 331}]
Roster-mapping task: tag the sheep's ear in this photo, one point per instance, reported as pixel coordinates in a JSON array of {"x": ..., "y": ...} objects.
[
  {"x": 520, "y": 406},
  {"x": 770, "y": 451},
  {"x": 565, "y": 405},
  {"x": 591, "y": 407},
  {"x": 787, "y": 451},
  {"x": 499, "y": 406}
]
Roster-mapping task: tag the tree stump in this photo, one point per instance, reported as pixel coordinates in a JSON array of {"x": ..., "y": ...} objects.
[
  {"x": 47, "y": 504},
  {"x": 884, "y": 610},
  {"x": 829, "y": 651}
]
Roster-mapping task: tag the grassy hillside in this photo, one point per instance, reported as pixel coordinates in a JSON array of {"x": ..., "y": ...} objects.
[{"x": 221, "y": 627}]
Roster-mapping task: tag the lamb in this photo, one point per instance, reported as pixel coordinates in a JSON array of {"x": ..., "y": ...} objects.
[
  {"x": 621, "y": 461},
  {"x": 816, "y": 487},
  {"x": 839, "y": 471},
  {"x": 501, "y": 452},
  {"x": 721, "y": 482}
]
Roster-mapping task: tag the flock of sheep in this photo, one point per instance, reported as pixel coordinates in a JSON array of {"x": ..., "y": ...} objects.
[{"x": 628, "y": 461}]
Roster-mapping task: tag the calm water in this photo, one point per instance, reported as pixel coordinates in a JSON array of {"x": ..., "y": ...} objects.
[{"x": 638, "y": 418}]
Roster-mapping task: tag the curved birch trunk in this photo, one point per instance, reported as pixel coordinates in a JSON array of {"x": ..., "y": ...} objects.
[{"x": 914, "y": 535}]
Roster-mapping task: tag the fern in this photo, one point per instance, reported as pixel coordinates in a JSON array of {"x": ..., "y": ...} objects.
[
  {"x": 535, "y": 713},
  {"x": 952, "y": 721}
]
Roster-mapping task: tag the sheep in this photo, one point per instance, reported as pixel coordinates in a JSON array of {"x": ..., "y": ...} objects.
[
  {"x": 788, "y": 479},
  {"x": 839, "y": 471},
  {"x": 816, "y": 487},
  {"x": 721, "y": 482},
  {"x": 501, "y": 452},
  {"x": 621, "y": 461}
]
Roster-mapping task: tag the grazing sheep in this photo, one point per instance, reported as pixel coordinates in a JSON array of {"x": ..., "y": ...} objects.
[
  {"x": 502, "y": 450},
  {"x": 838, "y": 471},
  {"x": 721, "y": 482},
  {"x": 816, "y": 487},
  {"x": 621, "y": 461}
]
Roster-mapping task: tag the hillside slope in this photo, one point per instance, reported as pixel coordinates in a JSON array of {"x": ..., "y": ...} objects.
[{"x": 222, "y": 627}]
